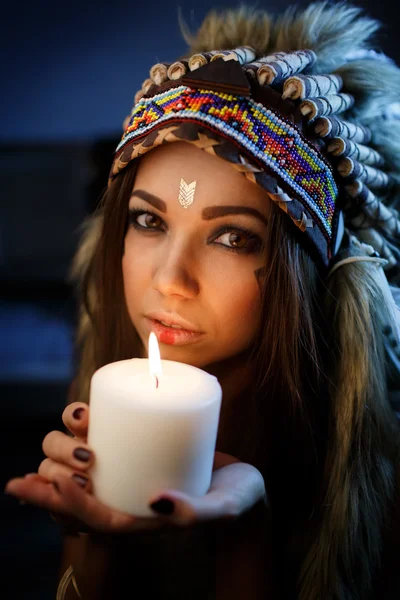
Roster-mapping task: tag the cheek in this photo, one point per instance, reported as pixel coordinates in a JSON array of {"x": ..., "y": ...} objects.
[
  {"x": 133, "y": 275},
  {"x": 238, "y": 305}
]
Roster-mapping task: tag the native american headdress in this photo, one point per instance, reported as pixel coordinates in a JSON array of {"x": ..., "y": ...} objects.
[{"x": 302, "y": 106}]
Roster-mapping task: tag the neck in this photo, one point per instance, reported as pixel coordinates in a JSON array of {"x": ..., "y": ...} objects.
[{"x": 235, "y": 378}]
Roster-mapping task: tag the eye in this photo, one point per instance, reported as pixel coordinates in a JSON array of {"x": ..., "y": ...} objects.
[
  {"x": 234, "y": 239},
  {"x": 239, "y": 240},
  {"x": 143, "y": 219},
  {"x": 148, "y": 220}
]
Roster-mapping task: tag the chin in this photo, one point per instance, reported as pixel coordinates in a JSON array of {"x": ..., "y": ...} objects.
[{"x": 182, "y": 355}]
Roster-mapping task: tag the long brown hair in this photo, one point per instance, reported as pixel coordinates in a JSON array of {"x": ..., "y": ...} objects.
[
  {"x": 324, "y": 436},
  {"x": 105, "y": 332}
]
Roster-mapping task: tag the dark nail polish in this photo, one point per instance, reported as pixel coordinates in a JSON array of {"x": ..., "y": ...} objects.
[
  {"x": 163, "y": 506},
  {"x": 82, "y": 454},
  {"x": 80, "y": 480},
  {"x": 78, "y": 413}
]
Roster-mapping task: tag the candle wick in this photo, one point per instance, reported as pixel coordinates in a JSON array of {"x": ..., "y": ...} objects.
[{"x": 156, "y": 381}]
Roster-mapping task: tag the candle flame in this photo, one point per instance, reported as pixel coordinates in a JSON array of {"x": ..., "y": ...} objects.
[{"x": 154, "y": 357}]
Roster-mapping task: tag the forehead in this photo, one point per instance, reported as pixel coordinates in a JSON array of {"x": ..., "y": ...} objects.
[{"x": 160, "y": 172}]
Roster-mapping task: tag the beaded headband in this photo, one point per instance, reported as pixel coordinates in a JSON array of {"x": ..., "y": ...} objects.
[{"x": 274, "y": 124}]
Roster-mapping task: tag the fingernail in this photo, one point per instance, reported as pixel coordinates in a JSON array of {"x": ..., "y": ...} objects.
[
  {"x": 80, "y": 480},
  {"x": 78, "y": 413},
  {"x": 82, "y": 454},
  {"x": 163, "y": 506}
]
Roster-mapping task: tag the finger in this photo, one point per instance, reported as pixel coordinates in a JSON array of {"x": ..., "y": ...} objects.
[
  {"x": 88, "y": 509},
  {"x": 34, "y": 490},
  {"x": 63, "y": 497},
  {"x": 45, "y": 494},
  {"x": 69, "y": 451},
  {"x": 184, "y": 510},
  {"x": 69, "y": 524},
  {"x": 76, "y": 419},
  {"x": 66, "y": 522},
  {"x": 36, "y": 477},
  {"x": 234, "y": 489},
  {"x": 49, "y": 469}
]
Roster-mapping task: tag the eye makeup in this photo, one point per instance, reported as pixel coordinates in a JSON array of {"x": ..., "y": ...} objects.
[
  {"x": 240, "y": 239},
  {"x": 254, "y": 244},
  {"x": 154, "y": 225}
]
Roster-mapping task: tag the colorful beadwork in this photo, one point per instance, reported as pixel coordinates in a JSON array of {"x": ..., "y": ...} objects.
[{"x": 273, "y": 142}]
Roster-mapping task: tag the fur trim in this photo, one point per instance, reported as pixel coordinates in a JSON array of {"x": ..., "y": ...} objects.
[
  {"x": 230, "y": 29},
  {"x": 342, "y": 37},
  {"x": 331, "y": 30}
]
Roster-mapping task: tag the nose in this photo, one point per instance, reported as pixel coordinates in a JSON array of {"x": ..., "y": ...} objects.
[{"x": 175, "y": 272}]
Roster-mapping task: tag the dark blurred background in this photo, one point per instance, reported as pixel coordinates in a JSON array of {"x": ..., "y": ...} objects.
[{"x": 69, "y": 75}]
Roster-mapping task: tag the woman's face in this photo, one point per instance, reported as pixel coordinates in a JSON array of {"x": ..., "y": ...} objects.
[{"x": 190, "y": 274}]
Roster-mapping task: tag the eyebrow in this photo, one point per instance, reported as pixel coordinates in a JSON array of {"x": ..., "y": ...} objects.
[
  {"x": 212, "y": 212},
  {"x": 151, "y": 199}
]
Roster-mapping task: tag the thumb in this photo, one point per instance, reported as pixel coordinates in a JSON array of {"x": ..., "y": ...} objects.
[
  {"x": 179, "y": 508},
  {"x": 234, "y": 490}
]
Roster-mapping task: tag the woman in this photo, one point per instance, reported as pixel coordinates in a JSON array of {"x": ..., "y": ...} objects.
[{"x": 248, "y": 204}]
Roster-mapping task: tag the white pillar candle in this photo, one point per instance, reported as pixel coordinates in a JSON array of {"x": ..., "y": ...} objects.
[{"x": 151, "y": 429}]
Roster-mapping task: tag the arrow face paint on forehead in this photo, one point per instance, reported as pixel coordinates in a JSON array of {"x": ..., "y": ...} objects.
[{"x": 186, "y": 193}]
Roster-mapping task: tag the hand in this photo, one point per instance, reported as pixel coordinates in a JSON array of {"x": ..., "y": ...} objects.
[{"x": 235, "y": 487}]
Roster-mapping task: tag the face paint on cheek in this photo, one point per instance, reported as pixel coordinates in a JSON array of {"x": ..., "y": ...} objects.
[{"x": 259, "y": 275}]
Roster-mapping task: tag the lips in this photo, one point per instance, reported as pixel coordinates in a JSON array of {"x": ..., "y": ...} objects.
[
  {"x": 172, "y": 319},
  {"x": 172, "y": 329}
]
